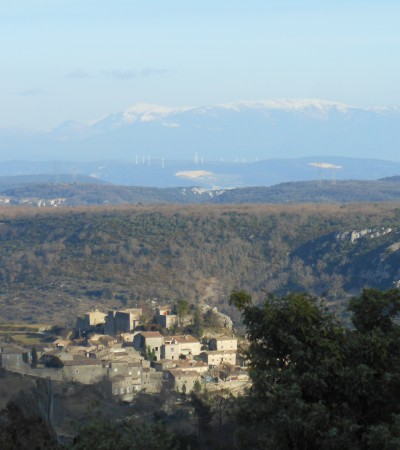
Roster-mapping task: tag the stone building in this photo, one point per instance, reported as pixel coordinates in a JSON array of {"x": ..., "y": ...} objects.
[
  {"x": 223, "y": 343},
  {"x": 176, "y": 346},
  {"x": 149, "y": 340},
  {"x": 122, "y": 321},
  {"x": 121, "y": 386},
  {"x": 163, "y": 364},
  {"x": 165, "y": 317},
  {"x": 218, "y": 357},
  {"x": 180, "y": 380},
  {"x": 91, "y": 321},
  {"x": 13, "y": 357},
  {"x": 188, "y": 365},
  {"x": 151, "y": 380},
  {"x": 85, "y": 370}
]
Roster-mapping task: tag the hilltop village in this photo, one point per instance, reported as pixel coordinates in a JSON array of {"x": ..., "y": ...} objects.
[{"x": 117, "y": 353}]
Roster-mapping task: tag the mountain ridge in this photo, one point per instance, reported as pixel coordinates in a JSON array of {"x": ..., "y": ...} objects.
[
  {"x": 67, "y": 190},
  {"x": 231, "y": 131}
]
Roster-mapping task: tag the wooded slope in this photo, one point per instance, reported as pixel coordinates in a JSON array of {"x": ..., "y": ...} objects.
[{"x": 55, "y": 264}]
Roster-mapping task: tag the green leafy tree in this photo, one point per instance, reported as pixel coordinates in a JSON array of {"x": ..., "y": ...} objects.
[
  {"x": 182, "y": 308},
  {"x": 203, "y": 411},
  {"x": 125, "y": 435},
  {"x": 197, "y": 387},
  {"x": 150, "y": 354},
  {"x": 34, "y": 357},
  {"x": 316, "y": 384},
  {"x": 198, "y": 322},
  {"x": 240, "y": 299}
]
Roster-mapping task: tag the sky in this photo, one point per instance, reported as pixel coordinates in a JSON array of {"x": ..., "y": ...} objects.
[{"x": 83, "y": 59}]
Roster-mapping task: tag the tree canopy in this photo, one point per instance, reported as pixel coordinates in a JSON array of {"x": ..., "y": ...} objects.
[{"x": 317, "y": 384}]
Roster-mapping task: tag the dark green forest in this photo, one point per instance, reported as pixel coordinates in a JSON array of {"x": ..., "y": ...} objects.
[{"x": 317, "y": 384}]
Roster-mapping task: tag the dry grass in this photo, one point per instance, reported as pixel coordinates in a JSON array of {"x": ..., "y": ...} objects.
[{"x": 28, "y": 339}]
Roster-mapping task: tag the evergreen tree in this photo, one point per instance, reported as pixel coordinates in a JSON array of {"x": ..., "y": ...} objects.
[
  {"x": 34, "y": 357},
  {"x": 316, "y": 384},
  {"x": 197, "y": 328}
]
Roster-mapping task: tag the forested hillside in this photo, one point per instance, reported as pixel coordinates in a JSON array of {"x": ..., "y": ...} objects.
[
  {"x": 55, "y": 264},
  {"x": 317, "y": 191},
  {"x": 92, "y": 191}
]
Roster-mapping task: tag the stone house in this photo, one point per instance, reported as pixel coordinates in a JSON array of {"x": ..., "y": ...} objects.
[
  {"x": 90, "y": 321},
  {"x": 182, "y": 364},
  {"x": 218, "y": 357},
  {"x": 180, "y": 380},
  {"x": 85, "y": 370},
  {"x": 176, "y": 346},
  {"x": 165, "y": 317},
  {"x": 13, "y": 357},
  {"x": 163, "y": 364},
  {"x": 188, "y": 365},
  {"x": 124, "y": 378},
  {"x": 125, "y": 367},
  {"x": 152, "y": 340},
  {"x": 223, "y": 343},
  {"x": 151, "y": 380},
  {"x": 121, "y": 386},
  {"x": 99, "y": 353},
  {"x": 122, "y": 321}
]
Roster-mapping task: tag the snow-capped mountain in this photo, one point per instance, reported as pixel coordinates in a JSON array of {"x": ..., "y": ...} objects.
[{"x": 242, "y": 131}]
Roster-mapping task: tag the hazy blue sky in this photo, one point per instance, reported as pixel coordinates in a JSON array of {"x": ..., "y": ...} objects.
[{"x": 82, "y": 59}]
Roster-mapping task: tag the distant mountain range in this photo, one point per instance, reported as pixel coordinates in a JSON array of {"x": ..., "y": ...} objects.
[{"x": 237, "y": 132}]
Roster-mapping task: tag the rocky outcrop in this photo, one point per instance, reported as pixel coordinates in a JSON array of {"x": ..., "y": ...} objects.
[
  {"x": 221, "y": 320},
  {"x": 371, "y": 233}
]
